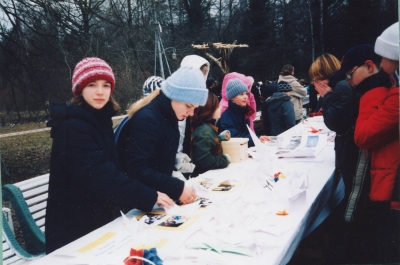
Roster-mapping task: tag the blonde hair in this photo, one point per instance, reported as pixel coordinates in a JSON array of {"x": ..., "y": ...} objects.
[
  {"x": 323, "y": 67},
  {"x": 143, "y": 102}
]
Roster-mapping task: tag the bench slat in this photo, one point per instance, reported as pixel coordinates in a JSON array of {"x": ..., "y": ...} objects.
[
  {"x": 34, "y": 192},
  {"x": 37, "y": 199},
  {"x": 39, "y": 215},
  {"x": 38, "y": 207},
  {"x": 40, "y": 222},
  {"x": 28, "y": 182}
]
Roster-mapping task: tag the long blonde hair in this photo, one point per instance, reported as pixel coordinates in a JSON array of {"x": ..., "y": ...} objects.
[{"x": 143, "y": 102}]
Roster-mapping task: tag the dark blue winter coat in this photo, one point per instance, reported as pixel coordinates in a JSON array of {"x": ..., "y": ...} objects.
[
  {"x": 86, "y": 189},
  {"x": 147, "y": 146},
  {"x": 280, "y": 113},
  {"x": 233, "y": 119}
]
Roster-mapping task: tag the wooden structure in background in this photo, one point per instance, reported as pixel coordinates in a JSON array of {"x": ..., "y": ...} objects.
[{"x": 224, "y": 50}]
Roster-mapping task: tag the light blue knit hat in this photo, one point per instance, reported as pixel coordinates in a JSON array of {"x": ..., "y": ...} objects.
[
  {"x": 234, "y": 87},
  {"x": 186, "y": 85}
]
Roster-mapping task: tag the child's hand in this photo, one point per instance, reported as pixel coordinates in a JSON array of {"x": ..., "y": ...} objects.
[
  {"x": 225, "y": 135},
  {"x": 264, "y": 138}
]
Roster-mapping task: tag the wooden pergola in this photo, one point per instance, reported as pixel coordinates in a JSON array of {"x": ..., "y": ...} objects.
[{"x": 224, "y": 50}]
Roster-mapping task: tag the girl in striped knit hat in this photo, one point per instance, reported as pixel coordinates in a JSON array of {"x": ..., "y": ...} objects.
[{"x": 86, "y": 187}]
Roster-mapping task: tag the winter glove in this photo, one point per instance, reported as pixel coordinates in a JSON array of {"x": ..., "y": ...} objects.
[
  {"x": 178, "y": 175},
  {"x": 182, "y": 163},
  {"x": 225, "y": 135}
]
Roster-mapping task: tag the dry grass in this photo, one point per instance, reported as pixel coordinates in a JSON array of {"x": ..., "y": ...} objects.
[{"x": 25, "y": 156}]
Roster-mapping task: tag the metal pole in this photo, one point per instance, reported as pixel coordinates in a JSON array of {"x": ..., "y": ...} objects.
[
  {"x": 155, "y": 41},
  {"x": 155, "y": 53},
  {"x": 160, "y": 57},
  {"x": 165, "y": 56}
]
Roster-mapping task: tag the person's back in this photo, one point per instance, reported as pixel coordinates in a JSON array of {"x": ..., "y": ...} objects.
[{"x": 280, "y": 110}]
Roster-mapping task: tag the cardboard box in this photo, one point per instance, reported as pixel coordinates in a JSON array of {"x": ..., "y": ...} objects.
[{"x": 236, "y": 148}]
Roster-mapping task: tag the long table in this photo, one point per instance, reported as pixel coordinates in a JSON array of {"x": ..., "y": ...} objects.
[{"x": 240, "y": 220}]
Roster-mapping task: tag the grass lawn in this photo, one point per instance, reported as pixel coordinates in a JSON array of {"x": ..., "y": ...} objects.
[{"x": 25, "y": 156}]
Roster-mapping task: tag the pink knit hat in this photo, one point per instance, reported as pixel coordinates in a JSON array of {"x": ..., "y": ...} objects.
[{"x": 89, "y": 70}]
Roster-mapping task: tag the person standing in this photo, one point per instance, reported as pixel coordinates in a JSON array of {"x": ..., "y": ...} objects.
[
  {"x": 86, "y": 187},
  {"x": 377, "y": 133},
  {"x": 298, "y": 91}
]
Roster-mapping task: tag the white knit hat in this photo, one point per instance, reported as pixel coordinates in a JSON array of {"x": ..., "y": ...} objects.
[{"x": 387, "y": 44}]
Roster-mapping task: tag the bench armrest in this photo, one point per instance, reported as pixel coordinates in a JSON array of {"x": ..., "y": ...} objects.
[{"x": 34, "y": 238}]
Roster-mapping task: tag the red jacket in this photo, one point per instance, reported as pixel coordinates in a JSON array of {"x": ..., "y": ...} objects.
[{"x": 377, "y": 130}]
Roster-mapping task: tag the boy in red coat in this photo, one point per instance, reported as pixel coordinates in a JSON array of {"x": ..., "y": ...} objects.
[{"x": 373, "y": 207}]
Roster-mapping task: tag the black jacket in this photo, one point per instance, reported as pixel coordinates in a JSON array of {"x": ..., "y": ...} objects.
[
  {"x": 233, "y": 119},
  {"x": 86, "y": 189},
  {"x": 147, "y": 146},
  {"x": 340, "y": 115},
  {"x": 280, "y": 113}
]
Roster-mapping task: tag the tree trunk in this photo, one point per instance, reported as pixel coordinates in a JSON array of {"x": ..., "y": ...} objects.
[
  {"x": 312, "y": 32},
  {"x": 321, "y": 12}
]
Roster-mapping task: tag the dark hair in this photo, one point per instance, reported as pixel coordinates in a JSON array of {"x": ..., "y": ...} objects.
[
  {"x": 80, "y": 101},
  {"x": 287, "y": 70},
  {"x": 204, "y": 114}
]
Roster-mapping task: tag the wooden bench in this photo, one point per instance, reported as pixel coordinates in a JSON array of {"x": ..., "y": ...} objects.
[{"x": 29, "y": 200}]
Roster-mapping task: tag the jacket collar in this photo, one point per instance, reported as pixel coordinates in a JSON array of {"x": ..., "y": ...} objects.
[
  {"x": 166, "y": 107},
  {"x": 215, "y": 128},
  {"x": 380, "y": 79},
  {"x": 236, "y": 108}
]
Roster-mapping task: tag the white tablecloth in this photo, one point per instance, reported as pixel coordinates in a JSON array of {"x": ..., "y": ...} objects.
[{"x": 274, "y": 243}]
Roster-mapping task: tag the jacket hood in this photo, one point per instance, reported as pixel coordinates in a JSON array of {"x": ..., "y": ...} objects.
[
  {"x": 248, "y": 80},
  {"x": 195, "y": 61},
  {"x": 380, "y": 79},
  {"x": 276, "y": 100}
]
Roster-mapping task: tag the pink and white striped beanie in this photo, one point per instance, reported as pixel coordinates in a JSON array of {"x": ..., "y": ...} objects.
[{"x": 89, "y": 70}]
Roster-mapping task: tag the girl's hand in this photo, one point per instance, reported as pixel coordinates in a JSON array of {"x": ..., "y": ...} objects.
[
  {"x": 264, "y": 138},
  {"x": 187, "y": 196},
  {"x": 164, "y": 201},
  {"x": 322, "y": 87}
]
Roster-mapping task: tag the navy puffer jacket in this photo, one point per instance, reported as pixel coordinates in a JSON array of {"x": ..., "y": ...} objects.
[
  {"x": 233, "y": 119},
  {"x": 147, "y": 146},
  {"x": 86, "y": 188}
]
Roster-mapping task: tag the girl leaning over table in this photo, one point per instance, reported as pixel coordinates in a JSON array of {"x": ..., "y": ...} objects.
[
  {"x": 206, "y": 143},
  {"x": 86, "y": 187},
  {"x": 148, "y": 142}
]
